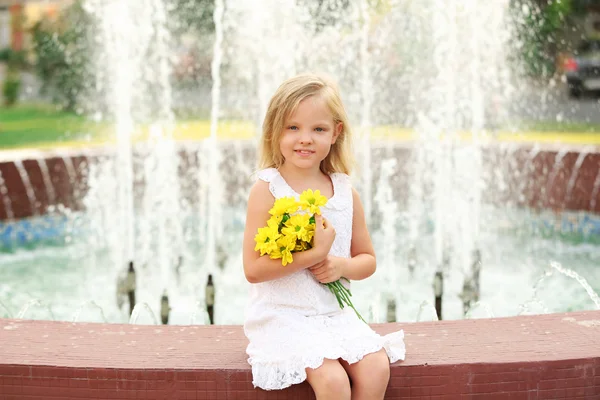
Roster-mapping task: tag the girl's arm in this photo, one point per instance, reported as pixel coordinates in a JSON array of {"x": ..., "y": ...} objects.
[
  {"x": 259, "y": 268},
  {"x": 362, "y": 263}
]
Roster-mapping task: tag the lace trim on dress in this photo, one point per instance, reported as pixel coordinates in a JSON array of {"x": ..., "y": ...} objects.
[
  {"x": 342, "y": 188},
  {"x": 271, "y": 375}
]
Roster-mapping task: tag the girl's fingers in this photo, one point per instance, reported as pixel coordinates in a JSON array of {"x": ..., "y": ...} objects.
[
  {"x": 316, "y": 266},
  {"x": 321, "y": 276},
  {"x": 319, "y": 268},
  {"x": 317, "y": 272},
  {"x": 319, "y": 221}
]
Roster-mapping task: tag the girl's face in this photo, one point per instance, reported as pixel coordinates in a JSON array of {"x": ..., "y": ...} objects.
[{"x": 308, "y": 134}]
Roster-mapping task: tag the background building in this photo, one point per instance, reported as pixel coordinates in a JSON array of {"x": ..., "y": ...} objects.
[{"x": 16, "y": 16}]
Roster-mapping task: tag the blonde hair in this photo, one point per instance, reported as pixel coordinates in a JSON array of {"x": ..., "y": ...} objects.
[{"x": 285, "y": 102}]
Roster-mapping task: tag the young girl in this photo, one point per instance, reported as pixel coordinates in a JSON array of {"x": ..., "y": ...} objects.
[{"x": 295, "y": 326}]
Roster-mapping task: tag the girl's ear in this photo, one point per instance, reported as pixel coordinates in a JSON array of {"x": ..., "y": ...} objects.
[{"x": 339, "y": 128}]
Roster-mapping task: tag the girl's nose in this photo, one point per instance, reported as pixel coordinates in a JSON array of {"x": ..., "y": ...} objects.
[{"x": 305, "y": 137}]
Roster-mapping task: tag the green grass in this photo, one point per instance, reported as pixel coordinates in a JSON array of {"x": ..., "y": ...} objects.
[
  {"x": 566, "y": 127},
  {"x": 38, "y": 125}
]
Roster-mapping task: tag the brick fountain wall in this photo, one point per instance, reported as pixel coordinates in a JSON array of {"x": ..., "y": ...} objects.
[
  {"x": 522, "y": 176},
  {"x": 553, "y": 356}
]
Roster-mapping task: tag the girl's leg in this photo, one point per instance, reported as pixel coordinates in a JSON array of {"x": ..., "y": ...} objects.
[
  {"x": 370, "y": 376},
  {"x": 329, "y": 381}
]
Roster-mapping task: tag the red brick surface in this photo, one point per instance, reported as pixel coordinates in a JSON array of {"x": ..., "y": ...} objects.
[
  {"x": 67, "y": 188},
  {"x": 554, "y": 356}
]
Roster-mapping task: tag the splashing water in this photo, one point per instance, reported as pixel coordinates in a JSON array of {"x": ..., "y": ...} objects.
[
  {"x": 426, "y": 312},
  {"x": 137, "y": 310},
  {"x": 200, "y": 310},
  {"x": 8, "y": 312},
  {"x": 93, "y": 304},
  {"x": 35, "y": 302},
  {"x": 28, "y": 187},
  {"x": 6, "y": 198},
  {"x": 572, "y": 274},
  {"x": 487, "y": 310}
]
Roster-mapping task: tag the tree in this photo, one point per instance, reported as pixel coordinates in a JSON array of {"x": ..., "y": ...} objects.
[
  {"x": 63, "y": 52},
  {"x": 191, "y": 16},
  {"x": 539, "y": 26}
]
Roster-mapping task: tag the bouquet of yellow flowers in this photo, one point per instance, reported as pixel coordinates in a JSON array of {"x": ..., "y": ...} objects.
[{"x": 291, "y": 229}]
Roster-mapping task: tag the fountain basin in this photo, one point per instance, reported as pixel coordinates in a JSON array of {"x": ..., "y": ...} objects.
[
  {"x": 517, "y": 239},
  {"x": 526, "y": 357}
]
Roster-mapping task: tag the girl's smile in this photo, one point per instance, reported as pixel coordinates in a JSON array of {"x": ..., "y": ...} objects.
[{"x": 305, "y": 153}]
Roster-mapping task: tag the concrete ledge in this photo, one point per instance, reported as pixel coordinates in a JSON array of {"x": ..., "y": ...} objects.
[{"x": 530, "y": 357}]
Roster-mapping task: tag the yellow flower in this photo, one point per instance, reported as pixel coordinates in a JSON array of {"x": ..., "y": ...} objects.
[
  {"x": 274, "y": 221},
  {"x": 312, "y": 201},
  {"x": 299, "y": 227},
  {"x": 301, "y": 245},
  {"x": 284, "y": 205},
  {"x": 311, "y": 233},
  {"x": 266, "y": 238},
  {"x": 285, "y": 246}
]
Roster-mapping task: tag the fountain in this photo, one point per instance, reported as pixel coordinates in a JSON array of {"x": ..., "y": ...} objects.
[
  {"x": 28, "y": 188},
  {"x": 6, "y": 199},
  {"x": 436, "y": 68}
]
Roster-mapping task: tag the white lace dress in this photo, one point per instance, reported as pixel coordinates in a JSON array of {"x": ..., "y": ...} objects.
[{"x": 295, "y": 322}]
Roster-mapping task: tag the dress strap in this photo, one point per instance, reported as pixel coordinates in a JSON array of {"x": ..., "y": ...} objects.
[
  {"x": 342, "y": 197},
  {"x": 277, "y": 185},
  {"x": 267, "y": 174}
]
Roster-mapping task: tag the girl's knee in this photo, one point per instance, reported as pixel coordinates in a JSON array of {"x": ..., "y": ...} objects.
[
  {"x": 330, "y": 379},
  {"x": 381, "y": 365},
  {"x": 337, "y": 382},
  {"x": 375, "y": 369},
  {"x": 382, "y": 362}
]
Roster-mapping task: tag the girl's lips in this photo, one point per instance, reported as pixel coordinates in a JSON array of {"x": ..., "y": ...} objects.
[{"x": 304, "y": 153}]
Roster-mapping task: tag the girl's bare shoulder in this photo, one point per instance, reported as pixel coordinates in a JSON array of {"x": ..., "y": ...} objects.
[{"x": 260, "y": 193}]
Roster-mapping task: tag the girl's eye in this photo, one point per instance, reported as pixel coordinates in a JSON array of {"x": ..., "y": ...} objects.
[
  {"x": 319, "y": 129},
  {"x": 293, "y": 127}
]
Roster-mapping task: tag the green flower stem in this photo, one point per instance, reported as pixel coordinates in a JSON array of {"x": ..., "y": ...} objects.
[
  {"x": 347, "y": 295},
  {"x": 342, "y": 295},
  {"x": 333, "y": 290}
]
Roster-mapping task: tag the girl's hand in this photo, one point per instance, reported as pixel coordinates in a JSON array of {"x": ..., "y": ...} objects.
[
  {"x": 324, "y": 236},
  {"x": 329, "y": 270}
]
